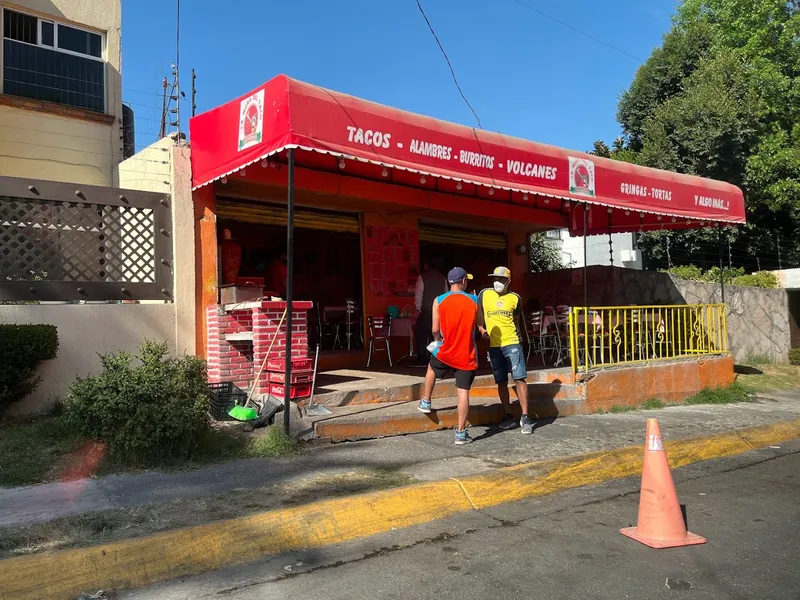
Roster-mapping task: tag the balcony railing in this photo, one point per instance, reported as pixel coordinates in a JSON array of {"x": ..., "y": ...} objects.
[{"x": 621, "y": 335}]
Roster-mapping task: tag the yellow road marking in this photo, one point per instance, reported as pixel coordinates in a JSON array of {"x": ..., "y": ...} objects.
[{"x": 144, "y": 561}]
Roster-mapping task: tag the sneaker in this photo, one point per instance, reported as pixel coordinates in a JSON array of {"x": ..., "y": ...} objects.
[
  {"x": 425, "y": 406},
  {"x": 462, "y": 438},
  {"x": 526, "y": 424},
  {"x": 509, "y": 422}
]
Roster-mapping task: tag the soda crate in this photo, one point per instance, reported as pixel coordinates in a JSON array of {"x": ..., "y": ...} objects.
[
  {"x": 298, "y": 364},
  {"x": 297, "y": 377},
  {"x": 302, "y": 390}
]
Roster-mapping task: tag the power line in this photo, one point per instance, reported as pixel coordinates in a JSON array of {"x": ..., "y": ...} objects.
[
  {"x": 576, "y": 30},
  {"x": 449, "y": 65}
]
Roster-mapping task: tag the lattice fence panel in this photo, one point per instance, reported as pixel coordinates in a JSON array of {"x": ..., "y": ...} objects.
[
  {"x": 123, "y": 244},
  {"x": 71, "y": 241}
]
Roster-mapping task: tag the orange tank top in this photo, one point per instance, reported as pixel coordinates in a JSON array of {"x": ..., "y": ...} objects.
[{"x": 458, "y": 313}]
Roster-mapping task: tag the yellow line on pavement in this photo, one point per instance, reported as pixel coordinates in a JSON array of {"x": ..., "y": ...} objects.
[{"x": 144, "y": 561}]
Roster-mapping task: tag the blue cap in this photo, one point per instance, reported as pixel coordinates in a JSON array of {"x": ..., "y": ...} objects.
[{"x": 457, "y": 274}]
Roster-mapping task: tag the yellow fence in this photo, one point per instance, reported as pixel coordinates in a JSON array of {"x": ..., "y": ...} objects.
[{"x": 618, "y": 335}]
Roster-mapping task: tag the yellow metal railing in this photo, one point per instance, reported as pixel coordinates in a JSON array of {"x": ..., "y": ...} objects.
[{"x": 618, "y": 335}]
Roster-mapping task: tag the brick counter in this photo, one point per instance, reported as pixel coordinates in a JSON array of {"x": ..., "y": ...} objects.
[{"x": 239, "y": 336}]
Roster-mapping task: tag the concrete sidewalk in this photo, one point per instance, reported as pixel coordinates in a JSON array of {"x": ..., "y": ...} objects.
[{"x": 427, "y": 457}]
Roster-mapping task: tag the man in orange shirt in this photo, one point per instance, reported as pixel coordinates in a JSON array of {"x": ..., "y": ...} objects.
[{"x": 455, "y": 317}]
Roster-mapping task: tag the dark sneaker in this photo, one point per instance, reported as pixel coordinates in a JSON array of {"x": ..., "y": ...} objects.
[
  {"x": 509, "y": 422},
  {"x": 425, "y": 406},
  {"x": 526, "y": 424},
  {"x": 462, "y": 438}
]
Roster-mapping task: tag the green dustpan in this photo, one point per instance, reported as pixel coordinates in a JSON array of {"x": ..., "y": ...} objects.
[{"x": 243, "y": 413}]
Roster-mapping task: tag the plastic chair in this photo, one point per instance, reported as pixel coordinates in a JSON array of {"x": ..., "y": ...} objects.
[{"x": 380, "y": 330}]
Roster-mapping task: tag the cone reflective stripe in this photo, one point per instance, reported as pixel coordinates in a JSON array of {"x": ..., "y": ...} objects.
[{"x": 660, "y": 523}]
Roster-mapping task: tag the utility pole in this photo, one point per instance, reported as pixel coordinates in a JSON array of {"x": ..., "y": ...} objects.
[
  {"x": 178, "y": 68},
  {"x": 163, "y": 131},
  {"x": 669, "y": 256},
  {"x": 194, "y": 93}
]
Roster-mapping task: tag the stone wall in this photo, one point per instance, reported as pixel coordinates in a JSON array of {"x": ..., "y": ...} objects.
[{"x": 758, "y": 319}]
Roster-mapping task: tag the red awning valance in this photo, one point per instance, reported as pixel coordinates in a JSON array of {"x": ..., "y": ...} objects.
[{"x": 285, "y": 113}]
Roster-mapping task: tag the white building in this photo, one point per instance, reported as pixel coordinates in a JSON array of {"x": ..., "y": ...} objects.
[{"x": 623, "y": 246}]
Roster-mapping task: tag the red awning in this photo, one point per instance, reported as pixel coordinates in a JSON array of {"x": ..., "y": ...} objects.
[{"x": 285, "y": 113}]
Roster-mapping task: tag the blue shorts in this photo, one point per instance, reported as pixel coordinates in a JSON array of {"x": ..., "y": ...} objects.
[{"x": 505, "y": 359}]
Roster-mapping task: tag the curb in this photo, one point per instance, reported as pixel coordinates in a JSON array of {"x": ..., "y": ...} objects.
[{"x": 144, "y": 561}]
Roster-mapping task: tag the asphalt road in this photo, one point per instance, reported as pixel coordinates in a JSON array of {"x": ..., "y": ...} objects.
[{"x": 561, "y": 546}]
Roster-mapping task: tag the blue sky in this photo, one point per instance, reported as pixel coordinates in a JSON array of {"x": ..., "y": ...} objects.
[{"x": 524, "y": 74}]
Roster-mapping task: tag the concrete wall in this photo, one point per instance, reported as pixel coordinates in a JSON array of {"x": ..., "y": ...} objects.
[
  {"x": 84, "y": 332},
  {"x": 35, "y": 142},
  {"x": 165, "y": 167},
  {"x": 758, "y": 319},
  {"x": 789, "y": 278}
]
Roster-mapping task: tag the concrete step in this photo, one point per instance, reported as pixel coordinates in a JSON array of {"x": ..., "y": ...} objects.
[
  {"x": 369, "y": 391},
  {"x": 351, "y": 423},
  {"x": 536, "y": 392}
]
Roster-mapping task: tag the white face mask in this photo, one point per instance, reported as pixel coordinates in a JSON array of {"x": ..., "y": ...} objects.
[{"x": 499, "y": 287}]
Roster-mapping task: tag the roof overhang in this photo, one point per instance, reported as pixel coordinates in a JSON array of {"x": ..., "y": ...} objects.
[{"x": 333, "y": 131}]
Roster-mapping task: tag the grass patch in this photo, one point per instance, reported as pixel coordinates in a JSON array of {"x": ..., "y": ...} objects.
[
  {"x": 273, "y": 443},
  {"x": 654, "y": 404},
  {"x": 732, "y": 394},
  {"x": 39, "y": 451},
  {"x": 770, "y": 378},
  {"x": 111, "y": 525},
  {"x": 34, "y": 451},
  {"x": 617, "y": 408}
]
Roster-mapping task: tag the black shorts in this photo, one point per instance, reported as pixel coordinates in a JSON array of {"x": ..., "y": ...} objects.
[{"x": 464, "y": 379}]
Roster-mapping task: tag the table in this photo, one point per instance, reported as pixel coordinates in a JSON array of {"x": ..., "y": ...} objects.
[{"x": 404, "y": 327}]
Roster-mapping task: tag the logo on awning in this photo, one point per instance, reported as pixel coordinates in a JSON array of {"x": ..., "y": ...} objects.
[
  {"x": 581, "y": 176},
  {"x": 251, "y": 120}
]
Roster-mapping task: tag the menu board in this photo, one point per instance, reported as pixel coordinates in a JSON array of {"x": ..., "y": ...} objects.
[{"x": 392, "y": 261}]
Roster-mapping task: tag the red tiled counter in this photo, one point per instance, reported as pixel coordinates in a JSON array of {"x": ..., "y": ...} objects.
[{"x": 239, "y": 336}]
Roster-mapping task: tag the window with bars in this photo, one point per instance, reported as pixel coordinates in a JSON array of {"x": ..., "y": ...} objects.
[{"x": 52, "y": 61}]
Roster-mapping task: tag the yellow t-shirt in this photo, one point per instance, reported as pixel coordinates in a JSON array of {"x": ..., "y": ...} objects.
[{"x": 500, "y": 314}]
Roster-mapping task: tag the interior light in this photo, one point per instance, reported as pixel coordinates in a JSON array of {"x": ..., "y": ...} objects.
[
  {"x": 264, "y": 163},
  {"x": 224, "y": 180},
  {"x": 422, "y": 179},
  {"x": 242, "y": 172},
  {"x": 547, "y": 200},
  {"x": 385, "y": 173},
  {"x": 525, "y": 197},
  {"x": 491, "y": 191},
  {"x": 627, "y": 213},
  {"x": 341, "y": 163},
  {"x": 610, "y": 211},
  {"x": 459, "y": 186}
]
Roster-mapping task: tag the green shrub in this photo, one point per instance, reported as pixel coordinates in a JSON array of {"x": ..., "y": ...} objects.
[
  {"x": 794, "y": 356},
  {"x": 689, "y": 272},
  {"x": 150, "y": 411},
  {"x": 759, "y": 279},
  {"x": 22, "y": 349}
]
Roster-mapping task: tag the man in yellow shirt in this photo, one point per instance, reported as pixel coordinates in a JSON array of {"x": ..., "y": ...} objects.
[{"x": 499, "y": 321}]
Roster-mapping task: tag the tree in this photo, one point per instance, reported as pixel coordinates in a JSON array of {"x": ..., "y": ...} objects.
[
  {"x": 721, "y": 98},
  {"x": 543, "y": 255}
]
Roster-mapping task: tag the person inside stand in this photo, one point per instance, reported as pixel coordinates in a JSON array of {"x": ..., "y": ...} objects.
[
  {"x": 455, "y": 317},
  {"x": 430, "y": 285},
  {"x": 276, "y": 276},
  {"x": 499, "y": 316}
]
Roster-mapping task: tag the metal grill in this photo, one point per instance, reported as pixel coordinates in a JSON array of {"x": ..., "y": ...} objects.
[{"x": 59, "y": 242}]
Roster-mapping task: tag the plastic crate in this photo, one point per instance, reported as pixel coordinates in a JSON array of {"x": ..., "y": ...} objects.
[
  {"x": 298, "y": 364},
  {"x": 302, "y": 390},
  {"x": 224, "y": 396},
  {"x": 297, "y": 377}
]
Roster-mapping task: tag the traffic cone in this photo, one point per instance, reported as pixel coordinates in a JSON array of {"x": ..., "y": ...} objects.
[{"x": 660, "y": 523}]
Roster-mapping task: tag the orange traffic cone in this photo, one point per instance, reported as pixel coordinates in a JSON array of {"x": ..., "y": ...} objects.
[{"x": 660, "y": 523}]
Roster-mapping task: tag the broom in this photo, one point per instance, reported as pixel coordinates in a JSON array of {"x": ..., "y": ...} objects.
[{"x": 248, "y": 413}]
